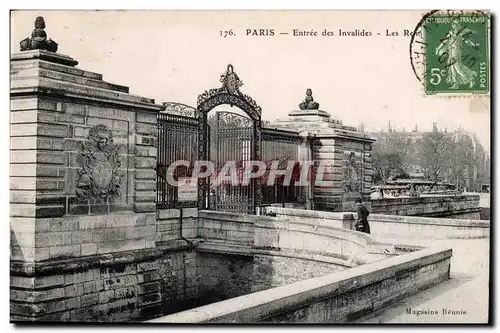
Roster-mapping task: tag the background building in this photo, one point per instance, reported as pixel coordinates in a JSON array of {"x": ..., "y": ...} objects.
[{"x": 455, "y": 156}]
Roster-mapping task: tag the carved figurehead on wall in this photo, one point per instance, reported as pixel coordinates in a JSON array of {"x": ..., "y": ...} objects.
[
  {"x": 38, "y": 40},
  {"x": 100, "y": 177}
]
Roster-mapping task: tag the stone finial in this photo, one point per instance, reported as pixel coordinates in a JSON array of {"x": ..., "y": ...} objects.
[
  {"x": 309, "y": 103},
  {"x": 38, "y": 40}
]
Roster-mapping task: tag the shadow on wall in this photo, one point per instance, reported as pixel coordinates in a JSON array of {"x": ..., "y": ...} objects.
[
  {"x": 16, "y": 252},
  {"x": 178, "y": 284},
  {"x": 222, "y": 276}
]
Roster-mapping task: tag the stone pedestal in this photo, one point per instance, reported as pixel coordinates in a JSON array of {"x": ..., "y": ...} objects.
[
  {"x": 345, "y": 154},
  {"x": 83, "y": 158}
]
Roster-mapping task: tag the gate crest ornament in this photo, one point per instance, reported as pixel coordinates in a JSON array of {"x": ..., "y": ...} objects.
[
  {"x": 100, "y": 177},
  {"x": 226, "y": 94}
]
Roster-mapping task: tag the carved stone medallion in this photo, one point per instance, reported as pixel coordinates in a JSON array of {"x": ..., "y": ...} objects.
[{"x": 100, "y": 177}]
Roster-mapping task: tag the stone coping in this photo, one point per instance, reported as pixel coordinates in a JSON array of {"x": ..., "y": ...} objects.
[
  {"x": 321, "y": 227},
  {"x": 56, "y": 80},
  {"x": 44, "y": 55},
  {"x": 173, "y": 213},
  {"x": 59, "y": 72},
  {"x": 316, "y": 112},
  {"x": 233, "y": 217},
  {"x": 275, "y": 130},
  {"x": 309, "y": 213},
  {"x": 62, "y": 88},
  {"x": 429, "y": 221},
  {"x": 375, "y": 218},
  {"x": 61, "y": 266},
  {"x": 43, "y": 64},
  {"x": 258, "y": 306},
  {"x": 345, "y": 134},
  {"x": 428, "y": 198},
  {"x": 223, "y": 247}
]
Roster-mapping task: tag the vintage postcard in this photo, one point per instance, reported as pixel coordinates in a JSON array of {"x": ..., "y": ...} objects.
[{"x": 174, "y": 166}]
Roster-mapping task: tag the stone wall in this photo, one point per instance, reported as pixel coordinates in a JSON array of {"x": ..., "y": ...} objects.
[
  {"x": 311, "y": 239},
  {"x": 238, "y": 254},
  {"x": 223, "y": 276},
  {"x": 419, "y": 228},
  {"x": 123, "y": 286},
  {"x": 408, "y": 228},
  {"x": 484, "y": 204},
  {"x": 336, "y": 220},
  {"x": 318, "y": 240},
  {"x": 334, "y": 298},
  {"x": 274, "y": 270},
  {"x": 345, "y": 153},
  {"x": 227, "y": 227},
  {"x": 83, "y": 158},
  {"x": 169, "y": 224},
  {"x": 350, "y": 179},
  {"x": 227, "y": 275},
  {"x": 451, "y": 206}
]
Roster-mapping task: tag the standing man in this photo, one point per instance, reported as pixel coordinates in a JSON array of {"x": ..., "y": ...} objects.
[{"x": 362, "y": 220}]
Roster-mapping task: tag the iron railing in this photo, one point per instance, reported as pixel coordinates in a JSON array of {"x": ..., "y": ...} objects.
[
  {"x": 282, "y": 146},
  {"x": 177, "y": 140}
]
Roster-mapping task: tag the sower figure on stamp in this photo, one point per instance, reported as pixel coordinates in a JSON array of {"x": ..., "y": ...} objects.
[{"x": 362, "y": 218}]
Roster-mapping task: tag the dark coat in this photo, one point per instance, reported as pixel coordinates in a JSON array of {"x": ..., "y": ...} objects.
[{"x": 362, "y": 219}]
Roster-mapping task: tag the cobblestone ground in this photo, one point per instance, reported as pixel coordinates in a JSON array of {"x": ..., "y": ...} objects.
[{"x": 465, "y": 295}]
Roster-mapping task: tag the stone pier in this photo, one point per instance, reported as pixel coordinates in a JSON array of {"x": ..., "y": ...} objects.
[
  {"x": 83, "y": 212},
  {"x": 346, "y": 154}
]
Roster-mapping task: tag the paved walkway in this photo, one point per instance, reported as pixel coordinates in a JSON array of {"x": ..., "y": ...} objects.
[{"x": 466, "y": 291}]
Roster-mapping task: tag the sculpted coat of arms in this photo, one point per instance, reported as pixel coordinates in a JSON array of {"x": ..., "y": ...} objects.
[{"x": 100, "y": 177}]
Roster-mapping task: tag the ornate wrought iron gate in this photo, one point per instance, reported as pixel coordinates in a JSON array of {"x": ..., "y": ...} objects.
[{"x": 232, "y": 138}]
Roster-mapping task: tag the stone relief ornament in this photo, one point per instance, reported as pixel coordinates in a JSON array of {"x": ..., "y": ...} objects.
[
  {"x": 351, "y": 181},
  {"x": 100, "y": 177},
  {"x": 38, "y": 40}
]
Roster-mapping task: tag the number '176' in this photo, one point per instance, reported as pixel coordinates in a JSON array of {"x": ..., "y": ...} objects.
[{"x": 225, "y": 33}]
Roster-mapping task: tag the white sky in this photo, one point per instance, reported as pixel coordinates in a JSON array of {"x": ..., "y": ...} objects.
[{"x": 175, "y": 56}]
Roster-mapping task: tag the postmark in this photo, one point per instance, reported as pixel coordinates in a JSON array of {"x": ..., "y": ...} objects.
[{"x": 452, "y": 55}]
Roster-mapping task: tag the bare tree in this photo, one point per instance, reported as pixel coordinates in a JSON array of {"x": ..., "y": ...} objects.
[
  {"x": 460, "y": 155},
  {"x": 434, "y": 155},
  {"x": 389, "y": 157}
]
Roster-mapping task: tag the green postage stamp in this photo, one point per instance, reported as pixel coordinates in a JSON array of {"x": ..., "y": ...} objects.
[{"x": 457, "y": 53}]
